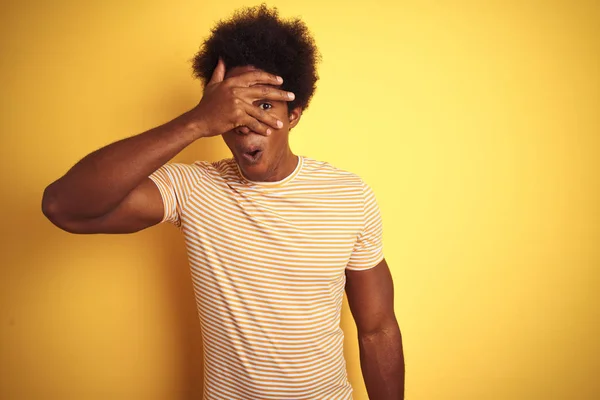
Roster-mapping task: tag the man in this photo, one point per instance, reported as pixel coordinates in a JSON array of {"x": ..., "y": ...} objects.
[{"x": 273, "y": 238}]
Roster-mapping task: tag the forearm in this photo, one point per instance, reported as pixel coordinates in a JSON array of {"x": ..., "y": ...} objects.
[
  {"x": 102, "y": 179},
  {"x": 382, "y": 363}
]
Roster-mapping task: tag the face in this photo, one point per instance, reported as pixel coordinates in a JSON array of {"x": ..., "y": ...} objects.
[{"x": 261, "y": 158}]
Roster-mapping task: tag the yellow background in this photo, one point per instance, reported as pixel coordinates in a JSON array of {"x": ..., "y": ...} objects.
[{"x": 476, "y": 123}]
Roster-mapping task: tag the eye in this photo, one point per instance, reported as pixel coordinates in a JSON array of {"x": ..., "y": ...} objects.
[{"x": 265, "y": 106}]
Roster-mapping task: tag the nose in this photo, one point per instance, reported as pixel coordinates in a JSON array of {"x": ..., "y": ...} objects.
[{"x": 242, "y": 130}]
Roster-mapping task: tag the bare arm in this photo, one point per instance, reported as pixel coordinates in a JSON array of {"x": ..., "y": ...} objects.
[
  {"x": 371, "y": 299},
  {"x": 109, "y": 191}
]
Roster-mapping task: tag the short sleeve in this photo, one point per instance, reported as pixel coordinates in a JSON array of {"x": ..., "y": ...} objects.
[
  {"x": 368, "y": 249},
  {"x": 175, "y": 183}
]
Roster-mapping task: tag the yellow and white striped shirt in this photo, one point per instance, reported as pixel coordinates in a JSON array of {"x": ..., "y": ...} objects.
[{"x": 268, "y": 263}]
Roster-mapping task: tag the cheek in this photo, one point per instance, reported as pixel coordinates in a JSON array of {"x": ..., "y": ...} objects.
[
  {"x": 229, "y": 138},
  {"x": 278, "y": 141},
  {"x": 280, "y": 111}
]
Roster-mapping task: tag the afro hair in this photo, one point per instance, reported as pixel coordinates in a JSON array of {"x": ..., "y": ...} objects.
[{"x": 257, "y": 36}]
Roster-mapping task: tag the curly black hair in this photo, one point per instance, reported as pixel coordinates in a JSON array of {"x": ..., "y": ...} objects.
[{"x": 258, "y": 36}]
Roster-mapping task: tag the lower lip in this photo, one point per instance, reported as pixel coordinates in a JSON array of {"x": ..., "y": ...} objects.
[{"x": 252, "y": 159}]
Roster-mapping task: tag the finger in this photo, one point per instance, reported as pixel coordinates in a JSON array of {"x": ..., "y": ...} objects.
[
  {"x": 219, "y": 73},
  {"x": 255, "y": 126},
  {"x": 263, "y": 92},
  {"x": 263, "y": 116},
  {"x": 257, "y": 77}
]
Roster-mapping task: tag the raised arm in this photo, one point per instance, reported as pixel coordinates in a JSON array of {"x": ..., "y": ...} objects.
[
  {"x": 371, "y": 299},
  {"x": 109, "y": 191}
]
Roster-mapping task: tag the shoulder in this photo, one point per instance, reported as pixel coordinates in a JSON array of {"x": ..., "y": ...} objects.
[
  {"x": 221, "y": 170},
  {"x": 326, "y": 173},
  {"x": 182, "y": 171},
  {"x": 199, "y": 170}
]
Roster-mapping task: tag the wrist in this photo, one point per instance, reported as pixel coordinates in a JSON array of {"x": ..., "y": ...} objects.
[{"x": 192, "y": 127}]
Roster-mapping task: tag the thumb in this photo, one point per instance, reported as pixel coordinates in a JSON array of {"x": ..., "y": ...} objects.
[{"x": 219, "y": 72}]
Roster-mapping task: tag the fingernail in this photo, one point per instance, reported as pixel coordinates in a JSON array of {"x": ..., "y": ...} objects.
[
  {"x": 268, "y": 131},
  {"x": 279, "y": 124},
  {"x": 291, "y": 95},
  {"x": 279, "y": 79}
]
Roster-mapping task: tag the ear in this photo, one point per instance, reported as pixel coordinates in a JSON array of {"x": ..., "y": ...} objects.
[{"x": 294, "y": 116}]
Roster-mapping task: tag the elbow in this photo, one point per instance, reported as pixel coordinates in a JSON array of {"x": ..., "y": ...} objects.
[
  {"x": 52, "y": 210},
  {"x": 387, "y": 327}
]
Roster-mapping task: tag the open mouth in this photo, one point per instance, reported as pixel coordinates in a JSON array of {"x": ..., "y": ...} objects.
[{"x": 252, "y": 155}]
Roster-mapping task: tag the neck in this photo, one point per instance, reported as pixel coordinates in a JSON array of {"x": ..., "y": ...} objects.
[{"x": 280, "y": 169}]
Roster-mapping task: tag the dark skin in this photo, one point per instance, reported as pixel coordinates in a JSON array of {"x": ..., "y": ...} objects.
[
  {"x": 371, "y": 298},
  {"x": 277, "y": 160},
  {"x": 109, "y": 191}
]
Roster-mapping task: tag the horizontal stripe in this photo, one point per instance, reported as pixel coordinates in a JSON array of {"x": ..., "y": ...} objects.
[{"x": 268, "y": 263}]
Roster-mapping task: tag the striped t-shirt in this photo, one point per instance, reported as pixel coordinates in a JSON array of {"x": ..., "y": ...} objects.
[{"x": 268, "y": 263}]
